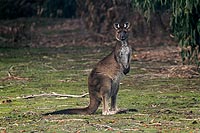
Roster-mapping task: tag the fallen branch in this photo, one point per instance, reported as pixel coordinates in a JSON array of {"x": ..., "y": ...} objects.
[
  {"x": 155, "y": 124},
  {"x": 104, "y": 126},
  {"x": 63, "y": 120},
  {"x": 53, "y": 94},
  {"x": 133, "y": 129},
  {"x": 197, "y": 119}
]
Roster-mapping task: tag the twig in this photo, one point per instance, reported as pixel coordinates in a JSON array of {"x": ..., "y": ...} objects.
[
  {"x": 51, "y": 67},
  {"x": 197, "y": 119},
  {"x": 12, "y": 77},
  {"x": 64, "y": 120},
  {"x": 54, "y": 94},
  {"x": 155, "y": 124},
  {"x": 132, "y": 129},
  {"x": 104, "y": 126}
]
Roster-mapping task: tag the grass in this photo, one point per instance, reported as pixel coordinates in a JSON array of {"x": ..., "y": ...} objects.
[{"x": 163, "y": 104}]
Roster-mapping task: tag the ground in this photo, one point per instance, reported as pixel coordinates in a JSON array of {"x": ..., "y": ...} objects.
[{"x": 163, "y": 94}]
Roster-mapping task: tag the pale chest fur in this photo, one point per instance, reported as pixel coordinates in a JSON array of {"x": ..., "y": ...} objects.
[
  {"x": 125, "y": 50},
  {"x": 124, "y": 55}
]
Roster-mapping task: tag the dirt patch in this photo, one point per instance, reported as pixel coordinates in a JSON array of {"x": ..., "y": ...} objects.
[
  {"x": 181, "y": 71},
  {"x": 164, "y": 53},
  {"x": 170, "y": 57}
]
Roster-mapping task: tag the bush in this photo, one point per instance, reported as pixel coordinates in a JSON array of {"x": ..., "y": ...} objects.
[
  {"x": 185, "y": 23},
  {"x": 11, "y": 9}
]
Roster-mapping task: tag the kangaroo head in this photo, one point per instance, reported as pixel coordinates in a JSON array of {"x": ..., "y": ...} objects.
[{"x": 121, "y": 33}]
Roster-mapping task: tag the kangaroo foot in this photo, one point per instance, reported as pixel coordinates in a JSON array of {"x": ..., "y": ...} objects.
[{"x": 109, "y": 112}]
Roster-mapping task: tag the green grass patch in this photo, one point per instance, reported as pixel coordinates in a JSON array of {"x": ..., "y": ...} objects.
[{"x": 163, "y": 104}]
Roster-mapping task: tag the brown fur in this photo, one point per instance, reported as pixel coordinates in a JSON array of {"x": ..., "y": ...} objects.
[{"x": 104, "y": 79}]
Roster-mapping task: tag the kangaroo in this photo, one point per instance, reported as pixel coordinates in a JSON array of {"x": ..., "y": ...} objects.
[{"x": 104, "y": 79}]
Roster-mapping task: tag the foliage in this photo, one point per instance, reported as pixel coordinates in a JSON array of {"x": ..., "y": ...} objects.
[
  {"x": 99, "y": 16},
  {"x": 185, "y": 23},
  {"x": 11, "y": 9},
  {"x": 59, "y": 8},
  {"x": 186, "y": 27},
  {"x": 149, "y": 6}
]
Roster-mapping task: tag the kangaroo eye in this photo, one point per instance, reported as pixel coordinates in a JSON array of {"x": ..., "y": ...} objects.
[
  {"x": 116, "y": 26},
  {"x": 126, "y": 25}
]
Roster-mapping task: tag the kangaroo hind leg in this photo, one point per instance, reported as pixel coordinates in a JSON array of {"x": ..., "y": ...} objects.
[
  {"x": 105, "y": 99},
  {"x": 115, "y": 89}
]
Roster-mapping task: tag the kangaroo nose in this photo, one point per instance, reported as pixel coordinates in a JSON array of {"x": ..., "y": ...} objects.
[{"x": 123, "y": 37}]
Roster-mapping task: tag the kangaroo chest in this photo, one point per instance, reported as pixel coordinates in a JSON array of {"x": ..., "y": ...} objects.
[{"x": 124, "y": 56}]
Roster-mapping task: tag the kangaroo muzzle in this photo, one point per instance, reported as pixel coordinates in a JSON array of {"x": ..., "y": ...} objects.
[{"x": 123, "y": 36}]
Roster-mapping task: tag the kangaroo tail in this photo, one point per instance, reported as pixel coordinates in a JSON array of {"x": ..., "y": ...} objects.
[
  {"x": 91, "y": 109},
  {"x": 82, "y": 111}
]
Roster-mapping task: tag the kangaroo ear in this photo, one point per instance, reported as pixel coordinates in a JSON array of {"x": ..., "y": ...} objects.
[
  {"x": 126, "y": 25},
  {"x": 116, "y": 26}
]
